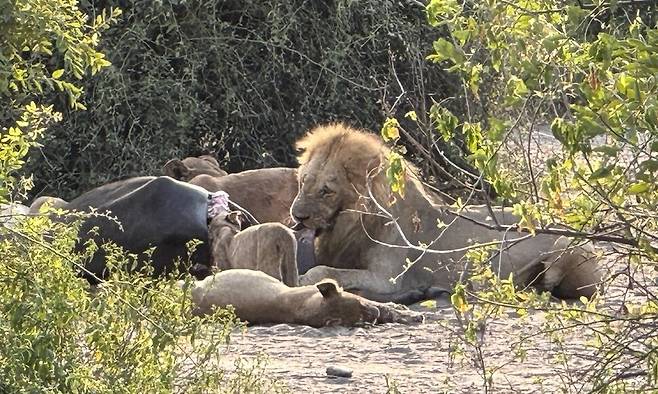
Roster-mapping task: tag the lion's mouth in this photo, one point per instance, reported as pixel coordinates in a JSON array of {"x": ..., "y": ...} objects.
[
  {"x": 309, "y": 232},
  {"x": 298, "y": 226},
  {"x": 317, "y": 226}
]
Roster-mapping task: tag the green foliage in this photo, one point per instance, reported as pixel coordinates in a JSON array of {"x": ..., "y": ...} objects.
[
  {"x": 395, "y": 173},
  {"x": 589, "y": 71},
  {"x": 535, "y": 59},
  {"x": 15, "y": 143},
  {"x": 131, "y": 334},
  {"x": 390, "y": 130},
  {"x": 47, "y": 46},
  {"x": 36, "y": 30},
  {"x": 238, "y": 79}
]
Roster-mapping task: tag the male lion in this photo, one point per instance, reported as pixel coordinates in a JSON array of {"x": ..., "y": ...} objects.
[
  {"x": 260, "y": 299},
  {"x": 353, "y": 246},
  {"x": 268, "y": 247}
]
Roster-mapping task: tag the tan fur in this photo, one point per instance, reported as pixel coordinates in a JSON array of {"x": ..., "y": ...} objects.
[
  {"x": 266, "y": 193},
  {"x": 332, "y": 175},
  {"x": 260, "y": 299},
  {"x": 51, "y": 202},
  {"x": 188, "y": 168},
  {"x": 268, "y": 247}
]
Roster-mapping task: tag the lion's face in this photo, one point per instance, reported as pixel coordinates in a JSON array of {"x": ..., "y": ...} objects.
[
  {"x": 336, "y": 307},
  {"x": 324, "y": 191},
  {"x": 335, "y": 162}
]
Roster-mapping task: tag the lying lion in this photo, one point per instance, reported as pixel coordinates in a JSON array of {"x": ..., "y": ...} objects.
[
  {"x": 260, "y": 299},
  {"x": 269, "y": 247},
  {"x": 186, "y": 169},
  {"x": 352, "y": 245},
  {"x": 266, "y": 193}
]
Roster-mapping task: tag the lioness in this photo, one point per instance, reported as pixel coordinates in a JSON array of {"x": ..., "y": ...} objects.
[
  {"x": 188, "y": 168},
  {"x": 266, "y": 193},
  {"x": 260, "y": 299},
  {"x": 268, "y": 247},
  {"x": 352, "y": 247}
]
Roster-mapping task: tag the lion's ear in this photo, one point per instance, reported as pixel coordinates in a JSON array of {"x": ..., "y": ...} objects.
[
  {"x": 328, "y": 289},
  {"x": 303, "y": 154},
  {"x": 176, "y": 169},
  {"x": 304, "y": 146}
]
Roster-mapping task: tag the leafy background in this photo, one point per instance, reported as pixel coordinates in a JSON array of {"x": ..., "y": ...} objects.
[{"x": 237, "y": 79}]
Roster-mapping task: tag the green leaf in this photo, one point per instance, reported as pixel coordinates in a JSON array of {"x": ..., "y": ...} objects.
[
  {"x": 459, "y": 302},
  {"x": 649, "y": 165},
  {"x": 518, "y": 86},
  {"x": 429, "y": 304},
  {"x": 395, "y": 173},
  {"x": 444, "y": 50},
  {"x": 440, "y": 11},
  {"x": 444, "y": 121},
  {"x": 57, "y": 74},
  {"x": 639, "y": 187},
  {"x": 627, "y": 85},
  {"x": 390, "y": 130},
  {"x": 601, "y": 172},
  {"x": 411, "y": 115},
  {"x": 608, "y": 150}
]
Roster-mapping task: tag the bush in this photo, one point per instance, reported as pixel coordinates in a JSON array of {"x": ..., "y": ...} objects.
[
  {"x": 46, "y": 46},
  {"x": 132, "y": 334},
  {"x": 238, "y": 79},
  {"x": 588, "y": 70}
]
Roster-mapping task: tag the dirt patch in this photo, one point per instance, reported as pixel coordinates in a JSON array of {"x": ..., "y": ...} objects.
[{"x": 418, "y": 358}]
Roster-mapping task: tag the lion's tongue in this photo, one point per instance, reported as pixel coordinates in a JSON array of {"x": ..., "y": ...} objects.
[{"x": 305, "y": 250}]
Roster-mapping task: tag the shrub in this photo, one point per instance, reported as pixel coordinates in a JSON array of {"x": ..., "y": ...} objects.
[
  {"x": 238, "y": 79},
  {"x": 134, "y": 334},
  {"x": 588, "y": 70}
]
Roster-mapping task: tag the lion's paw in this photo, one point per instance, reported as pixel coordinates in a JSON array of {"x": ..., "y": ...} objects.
[{"x": 313, "y": 276}]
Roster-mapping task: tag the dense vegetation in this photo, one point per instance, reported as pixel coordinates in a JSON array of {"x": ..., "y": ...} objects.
[
  {"x": 585, "y": 73},
  {"x": 132, "y": 334},
  {"x": 237, "y": 79}
]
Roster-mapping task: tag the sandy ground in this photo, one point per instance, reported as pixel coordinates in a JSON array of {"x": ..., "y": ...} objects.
[{"x": 418, "y": 359}]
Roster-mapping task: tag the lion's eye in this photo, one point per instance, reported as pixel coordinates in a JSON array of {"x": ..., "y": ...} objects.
[{"x": 325, "y": 191}]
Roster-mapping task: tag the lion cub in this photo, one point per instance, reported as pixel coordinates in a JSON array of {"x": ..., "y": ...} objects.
[
  {"x": 267, "y": 247},
  {"x": 260, "y": 299}
]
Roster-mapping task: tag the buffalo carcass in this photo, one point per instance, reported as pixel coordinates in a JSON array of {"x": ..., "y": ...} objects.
[{"x": 153, "y": 212}]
